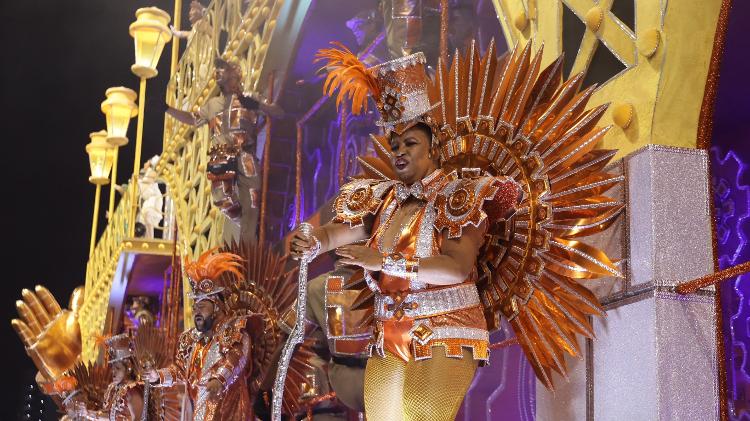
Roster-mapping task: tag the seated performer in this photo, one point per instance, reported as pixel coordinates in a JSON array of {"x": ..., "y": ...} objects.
[
  {"x": 235, "y": 119},
  {"x": 123, "y": 400},
  {"x": 422, "y": 233},
  {"x": 212, "y": 358}
]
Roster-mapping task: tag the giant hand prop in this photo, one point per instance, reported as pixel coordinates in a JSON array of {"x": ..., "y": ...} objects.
[{"x": 51, "y": 335}]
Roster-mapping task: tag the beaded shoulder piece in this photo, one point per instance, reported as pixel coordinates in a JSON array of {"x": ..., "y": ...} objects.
[
  {"x": 185, "y": 344},
  {"x": 231, "y": 333},
  {"x": 463, "y": 202},
  {"x": 358, "y": 199}
]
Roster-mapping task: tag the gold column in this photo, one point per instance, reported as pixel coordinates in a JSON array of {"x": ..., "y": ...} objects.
[
  {"x": 119, "y": 108},
  {"x": 111, "y": 207},
  {"x": 137, "y": 159},
  {"x": 95, "y": 218},
  {"x": 176, "y": 45},
  {"x": 150, "y": 33}
]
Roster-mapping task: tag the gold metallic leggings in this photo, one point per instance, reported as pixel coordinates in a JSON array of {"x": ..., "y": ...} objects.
[{"x": 429, "y": 390}]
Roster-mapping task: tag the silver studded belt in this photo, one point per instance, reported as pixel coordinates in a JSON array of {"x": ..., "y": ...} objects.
[{"x": 425, "y": 303}]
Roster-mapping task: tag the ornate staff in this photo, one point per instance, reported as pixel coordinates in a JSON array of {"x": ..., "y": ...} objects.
[{"x": 298, "y": 332}]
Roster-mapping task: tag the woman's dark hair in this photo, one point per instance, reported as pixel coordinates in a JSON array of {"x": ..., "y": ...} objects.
[
  {"x": 427, "y": 131},
  {"x": 421, "y": 126},
  {"x": 425, "y": 128}
]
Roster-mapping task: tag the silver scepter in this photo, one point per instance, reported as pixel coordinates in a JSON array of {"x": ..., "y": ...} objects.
[{"x": 298, "y": 332}]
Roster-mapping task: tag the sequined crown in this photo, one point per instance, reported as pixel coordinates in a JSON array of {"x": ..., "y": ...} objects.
[
  {"x": 403, "y": 93},
  {"x": 119, "y": 347},
  {"x": 398, "y": 87},
  {"x": 203, "y": 288}
]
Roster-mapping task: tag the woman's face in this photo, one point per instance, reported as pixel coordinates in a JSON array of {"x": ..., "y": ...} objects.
[
  {"x": 119, "y": 372},
  {"x": 411, "y": 158}
]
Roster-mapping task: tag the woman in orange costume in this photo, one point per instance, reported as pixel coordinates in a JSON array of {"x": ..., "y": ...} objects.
[
  {"x": 445, "y": 256},
  {"x": 423, "y": 232}
]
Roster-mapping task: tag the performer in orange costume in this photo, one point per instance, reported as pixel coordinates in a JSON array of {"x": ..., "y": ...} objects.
[
  {"x": 213, "y": 358},
  {"x": 445, "y": 256},
  {"x": 424, "y": 232}
]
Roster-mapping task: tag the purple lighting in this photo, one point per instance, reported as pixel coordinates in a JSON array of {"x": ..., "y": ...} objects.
[
  {"x": 732, "y": 203},
  {"x": 505, "y": 389}
]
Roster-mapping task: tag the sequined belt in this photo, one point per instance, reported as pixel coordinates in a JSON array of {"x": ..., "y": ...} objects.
[{"x": 425, "y": 303}]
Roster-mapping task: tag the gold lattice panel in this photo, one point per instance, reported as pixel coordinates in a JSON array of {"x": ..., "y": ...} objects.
[
  {"x": 100, "y": 272},
  {"x": 664, "y": 56},
  {"x": 248, "y": 28}
]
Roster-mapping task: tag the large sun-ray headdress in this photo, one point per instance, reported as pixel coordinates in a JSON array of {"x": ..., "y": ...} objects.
[
  {"x": 507, "y": 116},
  {"x": 151, "y": 350},
  {"x": 267, "y": 292},
  {"x": 205, "y": 274},
  {"x": 91, "y": 381},
  {"x": 398, "y": 87}
]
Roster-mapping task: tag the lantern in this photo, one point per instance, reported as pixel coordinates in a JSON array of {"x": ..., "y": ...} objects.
[
  {"x": 150, "y": 33},
  {"x": 101, "y": 155},
  {"x": 119, "y": 107}
]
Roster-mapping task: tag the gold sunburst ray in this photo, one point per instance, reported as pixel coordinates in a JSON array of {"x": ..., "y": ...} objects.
[{"x": 510, "y": 117}]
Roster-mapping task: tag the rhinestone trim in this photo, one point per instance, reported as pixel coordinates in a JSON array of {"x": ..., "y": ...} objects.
[{"x": 429, "y": 303}]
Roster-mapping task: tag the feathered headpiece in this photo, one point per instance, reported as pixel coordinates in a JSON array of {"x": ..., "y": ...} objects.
[
  {"x": 205, "y": 273},
  {"x": 399, "y": 87}
]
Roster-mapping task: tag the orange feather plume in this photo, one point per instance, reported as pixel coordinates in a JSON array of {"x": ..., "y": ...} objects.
[
  {"x": 211, "y": 265},
  {"x": 349, "y": 75},
  {"x": 65, "y": 384},
  {"x": 101, "y": 341}
]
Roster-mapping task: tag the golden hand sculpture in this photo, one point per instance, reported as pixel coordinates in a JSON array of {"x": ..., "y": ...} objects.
[{"x": 51, "y": 335}]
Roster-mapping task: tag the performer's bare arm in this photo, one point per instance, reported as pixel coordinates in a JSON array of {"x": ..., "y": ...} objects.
[
  {"x": 192, "y": 119},
  {"x": 458, "y": 258},
  {"x": 330, "y": 235},
  {"x": 185, "y": 117}
]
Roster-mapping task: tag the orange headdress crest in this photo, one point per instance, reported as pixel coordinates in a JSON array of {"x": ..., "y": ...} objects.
[
  {"x": 349, "y": 75},
  {"x": 205, "y": 273}
]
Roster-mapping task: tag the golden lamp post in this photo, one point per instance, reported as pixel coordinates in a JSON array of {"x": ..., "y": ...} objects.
[
  {"x": 150, "y": 33},
  {"x": 101, "y": 155},
  {"x": 119, "y": 108}
]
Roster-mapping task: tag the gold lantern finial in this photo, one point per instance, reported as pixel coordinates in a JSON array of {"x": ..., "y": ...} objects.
[
  {"x": 101, "y": 155},
  {"x": 119, "y": 107},
  {"x": 150, "y": 33}
]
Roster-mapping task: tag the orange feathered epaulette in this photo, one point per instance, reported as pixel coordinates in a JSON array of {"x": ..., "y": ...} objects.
[
  {"x": 211, "y": 265},
  {"x": 349, "y": 75}
]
